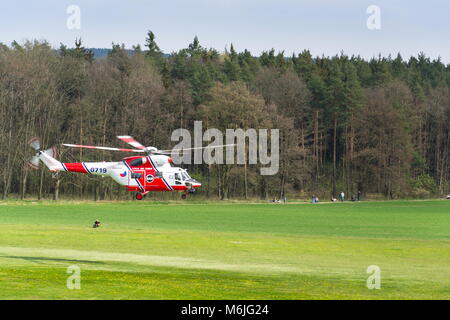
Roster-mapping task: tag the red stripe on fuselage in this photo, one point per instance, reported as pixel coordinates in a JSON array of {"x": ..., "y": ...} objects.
[
  {"x": 179, "y": 188},
  {"x": 157, "y": 186},
  {"x": 75, "y": 167}
]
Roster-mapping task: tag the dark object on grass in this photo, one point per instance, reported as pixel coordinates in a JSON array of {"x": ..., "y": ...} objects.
[{"x": 96, "y": 224}]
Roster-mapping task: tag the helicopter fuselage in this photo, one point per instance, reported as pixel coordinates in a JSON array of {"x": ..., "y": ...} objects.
[{"x": 140, "y": 173}]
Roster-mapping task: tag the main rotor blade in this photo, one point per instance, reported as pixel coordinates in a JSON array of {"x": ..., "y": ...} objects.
[
  {"x": 196, "y": 148},
  {"x": 101, "y": 148},
  {"x": 131, "y": 141}
]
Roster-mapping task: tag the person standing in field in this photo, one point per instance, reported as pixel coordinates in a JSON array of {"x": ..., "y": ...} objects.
[{"x": 342, "y": 196}]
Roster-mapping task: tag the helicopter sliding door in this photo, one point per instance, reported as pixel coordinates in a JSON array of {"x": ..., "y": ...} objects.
[{"x": 138, "y": 177}]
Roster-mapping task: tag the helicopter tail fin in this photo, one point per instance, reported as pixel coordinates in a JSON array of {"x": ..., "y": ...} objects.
[{"x": 47, "y": 157}]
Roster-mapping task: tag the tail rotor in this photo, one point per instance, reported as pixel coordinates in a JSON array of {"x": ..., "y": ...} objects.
[
  {"x": 36, "y": 145},
  {"x": 34, "y": 162}
]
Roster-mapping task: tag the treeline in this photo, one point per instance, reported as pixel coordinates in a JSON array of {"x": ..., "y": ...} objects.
[{"x": 346, "y": 124}]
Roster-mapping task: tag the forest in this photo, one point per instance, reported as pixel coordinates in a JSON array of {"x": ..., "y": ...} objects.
[{"x": 380, "y": 126}]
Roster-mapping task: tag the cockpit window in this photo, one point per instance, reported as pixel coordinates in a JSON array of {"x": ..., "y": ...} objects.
[
  {"x": 177, "y": 176},
  {"x": 185, "y": 176}
]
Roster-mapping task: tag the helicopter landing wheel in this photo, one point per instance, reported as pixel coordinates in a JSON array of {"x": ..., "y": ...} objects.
[
  {"x": 184, "y": 196},
  {"x": 139, "y": 196}
]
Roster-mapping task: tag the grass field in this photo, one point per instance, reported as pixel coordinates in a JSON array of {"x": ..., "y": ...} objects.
[{"x": 192, "y": 250}]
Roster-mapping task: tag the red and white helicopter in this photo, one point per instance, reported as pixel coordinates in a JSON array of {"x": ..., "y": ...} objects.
[{"x": 143, "y": 174}]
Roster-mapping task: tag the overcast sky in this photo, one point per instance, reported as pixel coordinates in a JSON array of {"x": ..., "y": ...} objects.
[{"x": 323, "y": 26}]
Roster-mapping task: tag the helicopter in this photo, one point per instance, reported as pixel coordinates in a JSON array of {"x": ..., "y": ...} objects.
[{"x": 142, "y": 174}]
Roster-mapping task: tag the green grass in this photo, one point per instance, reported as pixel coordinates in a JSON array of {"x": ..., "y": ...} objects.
[{"x": 225, "y": 250}]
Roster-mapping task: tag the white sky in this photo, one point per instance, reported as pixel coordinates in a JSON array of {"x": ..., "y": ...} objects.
[{"x": 323, "y": 26}]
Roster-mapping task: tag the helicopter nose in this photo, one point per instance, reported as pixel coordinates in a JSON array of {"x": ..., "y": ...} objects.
[{"x": 196, "y": 184}]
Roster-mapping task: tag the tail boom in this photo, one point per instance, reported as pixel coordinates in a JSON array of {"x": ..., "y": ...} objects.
[
  {"x": 96, "y": 168},
  {"x": 51, "y": 163}
]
